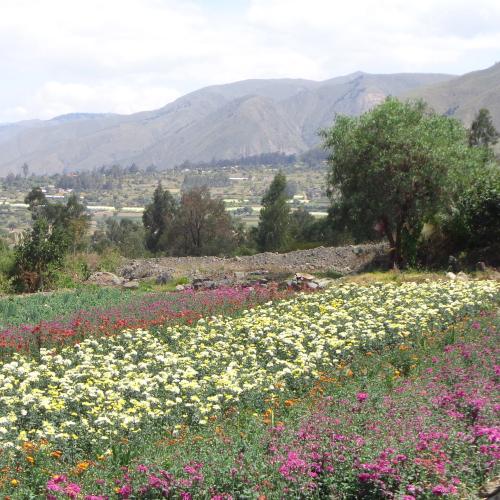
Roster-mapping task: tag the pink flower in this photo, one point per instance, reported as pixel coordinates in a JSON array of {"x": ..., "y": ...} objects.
[
  {"x": 361, "y": 396},
  {"x": 72, "y": 490}
]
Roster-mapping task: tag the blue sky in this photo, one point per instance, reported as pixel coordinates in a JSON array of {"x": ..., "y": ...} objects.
[{"x": 62, "y": 56}]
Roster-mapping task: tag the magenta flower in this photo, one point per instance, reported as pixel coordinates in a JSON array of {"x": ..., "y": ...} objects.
[
  {"x": 72, "y": 490},
  {"x": 362, "y": 396}
]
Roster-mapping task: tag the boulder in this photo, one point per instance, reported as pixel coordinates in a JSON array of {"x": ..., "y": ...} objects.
[
  {"x": 461, "y": 276},
  {"x": 104, "y": 278},
  {"x": 304, "y": 277},
  {"x": 311, "y": 285},
  {"x": 163, "y": 278},
  {"x": 324, "y": 282},
  {"x": 179, "y": 288},
  {"x": 451, "y": 276},
  {"x": 131, "y": 285}
]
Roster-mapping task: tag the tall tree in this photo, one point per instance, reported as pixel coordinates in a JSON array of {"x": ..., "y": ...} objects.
[
  {"x": 389, "y": 168},
  {"x": 25, "y": 168},
  {"x": 158, "y": 219},
  {"x": 202, "y": 225},
  {"x": 482, "y": 131},
  {"x": 273, "y": 228}
]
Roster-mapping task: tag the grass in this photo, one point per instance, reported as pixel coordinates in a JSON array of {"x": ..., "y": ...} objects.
[{"x": 18, "y": 309}]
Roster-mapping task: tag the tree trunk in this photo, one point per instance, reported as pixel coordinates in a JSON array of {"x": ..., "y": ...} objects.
[
  {"x": 393, "y": 251},
  {"x": 397, "y": 248}
]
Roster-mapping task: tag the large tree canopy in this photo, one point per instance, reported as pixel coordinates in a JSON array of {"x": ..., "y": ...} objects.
[{"x": 389, "y": 168}]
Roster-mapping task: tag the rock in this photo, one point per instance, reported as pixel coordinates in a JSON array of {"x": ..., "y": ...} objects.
[
  {"x": 304, "y": 277},
  {"x": 311, "y": 285},
  {"x": 103, "y": 278},
  {"x": 451, "y": 276},
  {"x": 131, "y": 285},
  {"x": 324, "y": 282},
  {"x": 357, "y": 250},
  {"x": 163, "y": 278},
  {"x": 203, "y": 284},
  {"x": 180, "y": 288},
  {"x": 462, "y": 276},
  {"x": 239, "y": 275}
]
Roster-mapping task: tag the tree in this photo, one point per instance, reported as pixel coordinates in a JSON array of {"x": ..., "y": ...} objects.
[
  {"x": 158, "y": 219},
  {"x": 301, "y": 225},
  {"x": 125, "y": 235},
  {"x": 70, "y": 218},
  {"x": 389, "y": 169},
  {"x": 42, "y": 248},
  {"x": 202, "y": 225},
  {"x": 25, "y": 168},
  {"x": 482, "y": 131},
  {"x": 273, "y": 228}
]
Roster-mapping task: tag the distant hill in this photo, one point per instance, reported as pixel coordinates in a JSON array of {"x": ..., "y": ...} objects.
[
  {"x": 235, "y": 120},
  {"x": 462, "y": 97}
]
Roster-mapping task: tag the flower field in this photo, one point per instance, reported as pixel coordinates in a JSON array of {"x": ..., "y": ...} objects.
[
  {"x": 239, "y": 406},
  {"x": 65, "y": 318}
]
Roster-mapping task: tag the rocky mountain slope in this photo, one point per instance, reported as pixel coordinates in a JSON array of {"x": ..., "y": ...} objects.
[
  {"x": 464, "y": 96},
  {"x": 224, "y": 121}
]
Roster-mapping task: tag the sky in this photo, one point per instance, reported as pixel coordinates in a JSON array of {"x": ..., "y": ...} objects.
[{"x": 123, "y": 56}]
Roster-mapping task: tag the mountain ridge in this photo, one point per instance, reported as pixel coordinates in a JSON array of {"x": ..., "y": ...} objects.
[{"x": 223, "y": 121}]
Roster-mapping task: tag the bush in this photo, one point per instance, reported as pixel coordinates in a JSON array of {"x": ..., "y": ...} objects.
[{"x": 470, "y": 227}]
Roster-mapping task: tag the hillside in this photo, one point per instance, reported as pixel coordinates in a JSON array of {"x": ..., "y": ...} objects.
[
  {"x": 464, "y": 96},
  {"x": 223, "y": 121}
]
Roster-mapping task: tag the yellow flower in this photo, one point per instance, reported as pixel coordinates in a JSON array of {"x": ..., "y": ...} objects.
[{"x": 14, "y": 482}]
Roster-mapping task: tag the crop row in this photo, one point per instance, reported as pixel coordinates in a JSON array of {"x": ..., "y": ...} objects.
[{"x": 88, "y": 396}]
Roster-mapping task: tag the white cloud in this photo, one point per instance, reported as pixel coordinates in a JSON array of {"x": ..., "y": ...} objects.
[{"x": 60, "y": 56}]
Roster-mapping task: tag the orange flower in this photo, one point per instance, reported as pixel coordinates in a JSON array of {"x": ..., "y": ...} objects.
[
  {"x": 30, "y": 460},
  {"x": 56, "y": 454},
  {"x": 28, "y": 446},
  {"x": 290, "y": 402},
  {"x": 81, "y": 467}
]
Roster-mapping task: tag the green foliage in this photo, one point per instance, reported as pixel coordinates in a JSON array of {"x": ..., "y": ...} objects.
[
  {"x": 158, "y": 219},
  {"x": 202, "y": 226},
  {"x": 6, "y": 267},
  {"x": 274, "y": 222},
  {"x": 389, "y": 170},
  {"x": 125, "y": 236},
  {"x": 482, "y": 131},
  {"x": 470, "y": 225},
  {"x": 109, "y": 261},
  {"x": 70, "y": 218},
  {"x": 41, "y": 251}
]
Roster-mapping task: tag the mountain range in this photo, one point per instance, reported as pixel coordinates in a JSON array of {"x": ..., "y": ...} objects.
[{"x": 233, "y": 120}]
